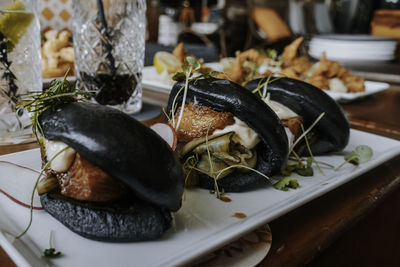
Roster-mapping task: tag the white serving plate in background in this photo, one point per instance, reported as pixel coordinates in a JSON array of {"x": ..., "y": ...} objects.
[
  {"x": 151, "y": 82},
  {"x": 370, "y": 88}
]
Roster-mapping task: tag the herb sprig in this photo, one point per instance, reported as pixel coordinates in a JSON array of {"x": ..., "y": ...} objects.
[
  {"x": 262, "y": 87},
  {"x": 361, "y": 154},
  {"x": 60, "y": 92},
  {"x": 286, "y": 183},
  {"x": 34, "y": 189},
  {"x": 190, "y": 66},
  {"x": 51, "y": 252}
]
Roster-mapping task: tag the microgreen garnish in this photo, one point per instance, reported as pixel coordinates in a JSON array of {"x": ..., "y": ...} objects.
[
  {"x": 174, "y": 107},
  {"x": 277, "y": 60},
  {"x": 165, "y": 114},
  {"x": 252, "y": 69},
  {"x": 286, "y": 183},
  {"x": 361, "y": 154},
  {"x": 34, "y": 189},
  {"x": 263, "y": 84},
  {"x": 311, "y": 159},
  {"x": 190, "y": 66},
  {"x": 242, "y": 166},
  {"x": 300, "y": 168},
  {"x": 271, "y": 53},
  {"x": 211, "y": 163},
  {"x": 51, "y": 252},
  {"x": 60, "y": 92},
  {"x": 306, "y": 132},
  {"x": 213, "y": 171},
  {"x": 189, "y": 165}
]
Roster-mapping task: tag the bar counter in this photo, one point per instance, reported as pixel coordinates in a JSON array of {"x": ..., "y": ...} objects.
[{"x": 353, "y": 225}]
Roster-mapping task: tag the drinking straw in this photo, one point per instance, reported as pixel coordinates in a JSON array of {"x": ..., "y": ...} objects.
[{"x": 107, "y": 43}]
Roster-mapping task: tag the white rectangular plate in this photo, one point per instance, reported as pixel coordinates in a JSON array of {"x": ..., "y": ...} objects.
[
  {"x": 370, "y": 88},
  {"x": 152, "y": 81},
  {"x": 201, "y": 225}
]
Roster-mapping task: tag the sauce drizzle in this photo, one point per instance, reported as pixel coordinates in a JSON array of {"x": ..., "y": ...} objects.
[
  {"x": 225, "y": 199},
  {"x": 239, "y": 215}
]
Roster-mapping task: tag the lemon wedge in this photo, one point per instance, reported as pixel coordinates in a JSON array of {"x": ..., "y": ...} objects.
[
  {"x": 14, "y": 23},
  {"x": 165, "y": 61}
]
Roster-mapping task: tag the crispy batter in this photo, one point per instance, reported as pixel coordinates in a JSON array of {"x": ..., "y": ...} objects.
[
  {"x": 240, "y": 72},
  {"x": 252, "y": 55},
  {"x": 85, "y": 181},
  {"x": 355, "y": 84},
  {"x": 289, "y": 72},
  {"x": 198, "y": 120},
  {"x": 319, "y": 81},
  {"x": 290, "y": 51},
  {"x": 180, "y": 53},
  {"x": 329, "y": 69},
  {"x": 237, "y": 72},
  {"x": 299, "y": 66},
  {"x": 57, "y": 54},
  {"x": 294, "y": 125}
]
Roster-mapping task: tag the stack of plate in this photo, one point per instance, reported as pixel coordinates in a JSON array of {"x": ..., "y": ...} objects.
[{"x": 353, "y": 47}]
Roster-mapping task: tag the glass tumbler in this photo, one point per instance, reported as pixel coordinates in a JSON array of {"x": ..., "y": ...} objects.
[
  {"x": 20, "y": 70},
  {"x": 109, "y": 43}
]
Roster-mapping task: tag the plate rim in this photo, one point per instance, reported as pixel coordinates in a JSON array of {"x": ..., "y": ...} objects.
[{"x": 157, "y": 86}]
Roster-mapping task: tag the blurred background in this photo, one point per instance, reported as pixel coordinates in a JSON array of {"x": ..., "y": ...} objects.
[{"x": 228, "y": 26}]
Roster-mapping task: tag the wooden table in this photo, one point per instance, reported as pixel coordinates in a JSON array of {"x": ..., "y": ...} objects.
[
  {"x": 353, "y": 225},
  {"x": 356, "y": 224}
]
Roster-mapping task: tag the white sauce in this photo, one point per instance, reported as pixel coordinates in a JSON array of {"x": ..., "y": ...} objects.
[
  {"x": 289, "y": 135},
  {"x": 63, "y": 161},
  {"x": 281, "y": 111},
  {"x": 163, "y": 77},
  {"x": 243, "y": 133},
  {"x": 263, "y": 68},
  {"x": 336, "y": 85}
]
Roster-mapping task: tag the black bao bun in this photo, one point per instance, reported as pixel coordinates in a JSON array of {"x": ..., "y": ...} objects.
[
  {"x": 226, "y": 96},
  {"x": 126, "y": 150},
  {"x": 308, "y": 101},
  {"x": 139, "y": 222}
]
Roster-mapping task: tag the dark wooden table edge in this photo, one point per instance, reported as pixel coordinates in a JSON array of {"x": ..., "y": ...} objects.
[{"x": 332, "y": 226}]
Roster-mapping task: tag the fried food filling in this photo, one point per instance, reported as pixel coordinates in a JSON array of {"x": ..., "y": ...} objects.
[
  {"x": 80, "y": 179},
  {"x": 198, "y": 121},
  {"x": 294, "y": 125},
  {"x": 85, "y": 181},
  {"x": 217, "y": 143},
  {"x": 326, "y": 74},
  {"x": 210, "y": 142}
]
